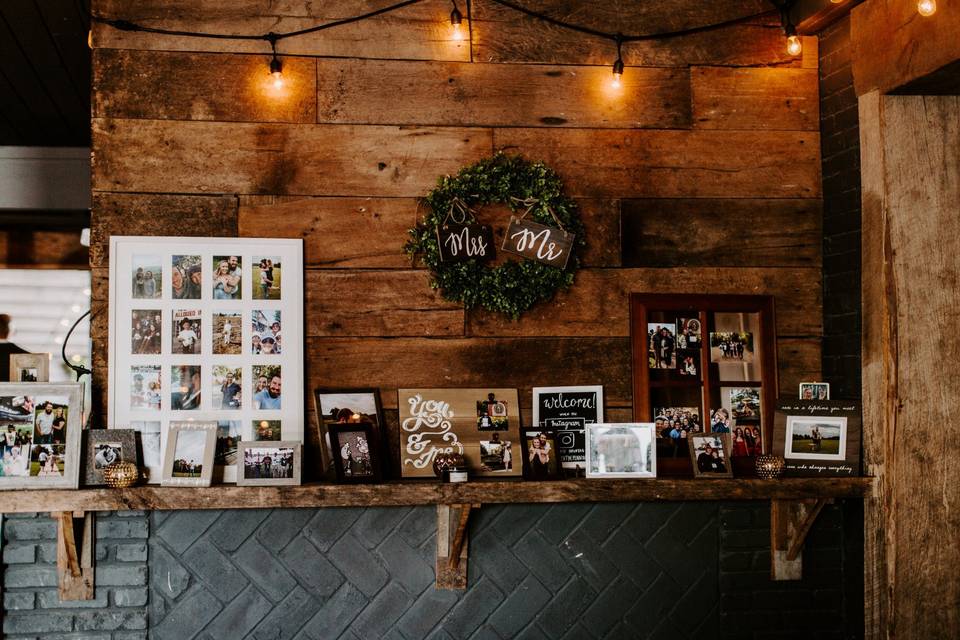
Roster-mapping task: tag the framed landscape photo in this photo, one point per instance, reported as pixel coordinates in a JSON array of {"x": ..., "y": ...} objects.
[
  {"x": 541, "y": 459},
  {"x": 206, "y": 329},
  {"x": 481, "y": 424},
  {"x": 269, "y": 463},
  {"x": 566, "y": 410},
  {"x": 346, "y": 406},
  {"x": 29, "y": 367},
  {"x": 818, "y": 438},
  {"x": 188, "y": 454},
  {"x": 356, "y": 455},
  {"x": 41, "y": 425},
  {"x": 104, "y": 447},
  {"x": 710, "y": 455},
  {"x": 621, "y": 450}
]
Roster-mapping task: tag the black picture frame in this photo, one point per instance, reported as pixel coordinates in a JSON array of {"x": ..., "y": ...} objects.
[
  {"x": 125, "y": 438},
  {"x": 325, "y": 423},
  {"x": 347, "y": 475},
  {"x": 533, "y": 472}
]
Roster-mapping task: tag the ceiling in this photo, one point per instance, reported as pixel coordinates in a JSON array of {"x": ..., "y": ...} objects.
[{"x": 44, "y": 73}]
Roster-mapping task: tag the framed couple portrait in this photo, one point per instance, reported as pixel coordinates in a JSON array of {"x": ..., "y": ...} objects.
[{"x": 206, "y": 330}]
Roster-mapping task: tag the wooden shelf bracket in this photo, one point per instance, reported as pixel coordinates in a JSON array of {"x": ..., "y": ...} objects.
[
  {"x": 75, "y": 554},
  {"x": 790, "y": 522},
  {"x": 452, "y": 521}
]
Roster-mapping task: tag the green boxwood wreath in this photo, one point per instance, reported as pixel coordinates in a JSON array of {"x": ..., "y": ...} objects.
[{"x": 514, "y": 286}]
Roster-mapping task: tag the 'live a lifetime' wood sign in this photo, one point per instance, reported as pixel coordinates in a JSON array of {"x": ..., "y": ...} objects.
[{"x": 538, "y": 242}]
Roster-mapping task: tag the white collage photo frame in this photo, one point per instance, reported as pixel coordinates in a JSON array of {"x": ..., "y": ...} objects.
[{"x": 223, "y": 318}]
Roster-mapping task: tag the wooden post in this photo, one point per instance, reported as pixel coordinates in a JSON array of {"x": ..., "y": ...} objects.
[
  {"x": 452, "y": 545},
  {"x": 74, "y": 568},
  {"x": 910, "y": 154}
]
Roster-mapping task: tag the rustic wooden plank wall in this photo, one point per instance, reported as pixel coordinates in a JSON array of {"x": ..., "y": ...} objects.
[{"x": 701, "y": 175}]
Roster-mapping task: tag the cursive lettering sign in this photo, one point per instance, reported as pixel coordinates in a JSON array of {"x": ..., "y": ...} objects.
[
  {"x": 460, "y": 242},
  {"x": 429, "y": 432},
  {"x": 538, "y": 242}
]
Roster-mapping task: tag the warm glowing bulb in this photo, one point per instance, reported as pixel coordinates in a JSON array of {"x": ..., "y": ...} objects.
[
  {"x": 617, "y": 74},
  {"x": 90, "y": 38},
  {"x": 615, "y": 83},
  {"x": 456, "y": 21},
  {"x": 794, "y": 46},
  {"x": 457, "y": 32},
  {"x": 927, "y": 7},
  {"x": 277, "y": 80}
]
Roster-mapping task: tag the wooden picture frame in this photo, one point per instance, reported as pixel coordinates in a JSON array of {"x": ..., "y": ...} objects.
[
  {"x": 193, "y": 440},
  {"x": 103, "y": 447},
  {"x": 722, "y": 465},
  {"x": 357, "y": 466},
  {"x": 250, "y": 474},
  {"x": 566, "y": 410},
  {"x": 35, "y": 455},
  {"x": 666, "y": 394},
  {"x": 540, "y": 466},
  {"x": 39, "y": 363},
  {"x": 361, "y": 403},
  {"x": 605, "y": 437},
  {"x": 834, "y": 452}
]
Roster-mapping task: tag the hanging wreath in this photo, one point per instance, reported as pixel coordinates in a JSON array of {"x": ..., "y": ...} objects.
[{"x": 530, "y": 189}]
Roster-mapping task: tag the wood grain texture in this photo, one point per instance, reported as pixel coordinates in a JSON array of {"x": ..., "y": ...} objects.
[
  {"x": 749, "y": 232},
  {"x": 502, "y": 35},
  {"x": 920, "y": 151},
  {"x": 366, "y": 91},
  {"x": 759, "y": 99},
  {"x": 198, "y": 86},
  {"x": 377, "y": 228},
  {"x": 597, "y": 304},
  {"x": 41, "y": 249},
  {"x": 419, "y": 32},
  {"x": 378, "y": 303},
  {"x": 665, "y": 164},
  {"x": 912, "y": 46},
  {"x": 166, "y": 156},
  {"x": 312, "y": 496}
]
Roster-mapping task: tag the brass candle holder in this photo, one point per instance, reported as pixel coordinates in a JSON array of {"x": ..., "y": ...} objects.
[{"x": 121, "y": 475}]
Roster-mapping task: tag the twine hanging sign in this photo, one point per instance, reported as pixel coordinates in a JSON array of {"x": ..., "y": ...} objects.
[
  {"x": 459, "y": 241},
  {"x": 549, "y": 245}
]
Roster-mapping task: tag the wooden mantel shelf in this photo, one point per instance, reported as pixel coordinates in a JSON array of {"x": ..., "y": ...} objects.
[{"x": 424, "y": 493}]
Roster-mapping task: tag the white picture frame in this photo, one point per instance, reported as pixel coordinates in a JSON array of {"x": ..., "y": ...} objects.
[
  {"x": 202, "y": 443},
  {"x": 28, "y": 400},
  {"x": 604, "y": 436},
  {"x": 244, "y": 481},
  {"x": 805, "y": 425},
  {"x": 144, "y": 343}
]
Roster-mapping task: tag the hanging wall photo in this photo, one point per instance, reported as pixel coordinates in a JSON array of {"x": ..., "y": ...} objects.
[
  {"x": 206, "y": 329},
  {"x": 481, "y": 424}
]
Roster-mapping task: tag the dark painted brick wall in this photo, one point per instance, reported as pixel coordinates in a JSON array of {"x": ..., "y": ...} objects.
[{"x": 840, "y": 146}]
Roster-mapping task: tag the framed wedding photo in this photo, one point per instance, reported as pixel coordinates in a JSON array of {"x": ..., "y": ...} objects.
[
  {"x": 346, "y": 406},
  {"x": 818, "y": 438},
  {"x": 356, "y": 455},
  {"x": 206, "y": 329},
  {"x": 621, "y": 450},
  {"x": 264, "y": 464},
  {"x": 41, "y": 427},
  {"x": 541, "y": 457},
  {"x": 710, "y": 454},
  {"x": 30, "y": 367},
  {"x": 188, "y": 455},
  {"x": 103, "y": 447}
]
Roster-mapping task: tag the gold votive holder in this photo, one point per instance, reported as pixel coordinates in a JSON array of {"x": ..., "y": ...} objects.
[
  {"x": 770, "y": 467},
  {"x": 121, "y": 475}
]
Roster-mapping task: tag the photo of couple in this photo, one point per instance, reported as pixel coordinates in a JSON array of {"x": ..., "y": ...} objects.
[
  {"x": 227, "y": 277},
  {"x": 267, "y": 286},
  {"x": 267, "y": 387},
  {"x": 186, "y": 278},
  {"x": 147, "y": 274}
]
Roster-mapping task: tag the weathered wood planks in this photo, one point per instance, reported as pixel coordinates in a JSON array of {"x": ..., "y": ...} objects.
[
  {"x": 221, "y": 88},
  {"x": 746, "y": 232},
  {"x": 418, "y": 32},
  {"x": 755, "y": 99}
]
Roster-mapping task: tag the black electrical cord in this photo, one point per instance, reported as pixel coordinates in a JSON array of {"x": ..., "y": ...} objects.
[
  {"x": 79, "y": 370},
  {"x": 127, "y": 25}
]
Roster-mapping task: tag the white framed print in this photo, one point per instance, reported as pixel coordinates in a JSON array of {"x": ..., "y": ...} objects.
[
  {"x": 621, "y": 450},
  {"x": 188, "y": 454},
  {"x": 206, "y": 329}
]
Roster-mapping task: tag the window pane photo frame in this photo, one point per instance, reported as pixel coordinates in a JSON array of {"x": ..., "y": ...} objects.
[
  {"x": 206, "y": 329},
  {"x": 41, "y": 427}
]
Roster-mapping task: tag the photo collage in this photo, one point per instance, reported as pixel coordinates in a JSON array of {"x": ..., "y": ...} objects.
[
  {"x": 206, "y": 320},
  {"x": 34, "y": 436}
]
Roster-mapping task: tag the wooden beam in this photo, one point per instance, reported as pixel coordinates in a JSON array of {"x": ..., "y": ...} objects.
[
  {"x": 75, "y": 567},
  {"x": 410, "y": 493},
  {"x": 813, "y": 16},
  {"x": 790, "y": 522},
  {"x": 452, "y": 545}
]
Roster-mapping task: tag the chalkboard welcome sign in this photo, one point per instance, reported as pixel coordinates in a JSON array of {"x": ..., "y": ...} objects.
[
  {"x": 538, "y": 242},
  {"x": 567, "y": 410}
]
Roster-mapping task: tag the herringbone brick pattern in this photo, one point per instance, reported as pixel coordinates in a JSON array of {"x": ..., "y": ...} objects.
[{"x": 536, "y": 571}]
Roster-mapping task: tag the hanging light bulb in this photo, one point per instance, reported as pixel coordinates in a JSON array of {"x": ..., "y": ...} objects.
[
  {"x": 90, "y": 38},
  {"x": 927, "y": 8},
  {"x": 794, "y": 45},
  {"x": 276, "y": 72},
  {"x": 617, "y": 74},
  {"x": 456, "y": 21}
]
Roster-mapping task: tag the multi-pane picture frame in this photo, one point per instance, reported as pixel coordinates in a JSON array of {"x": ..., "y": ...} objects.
[{"x": 206, "y": 329}]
